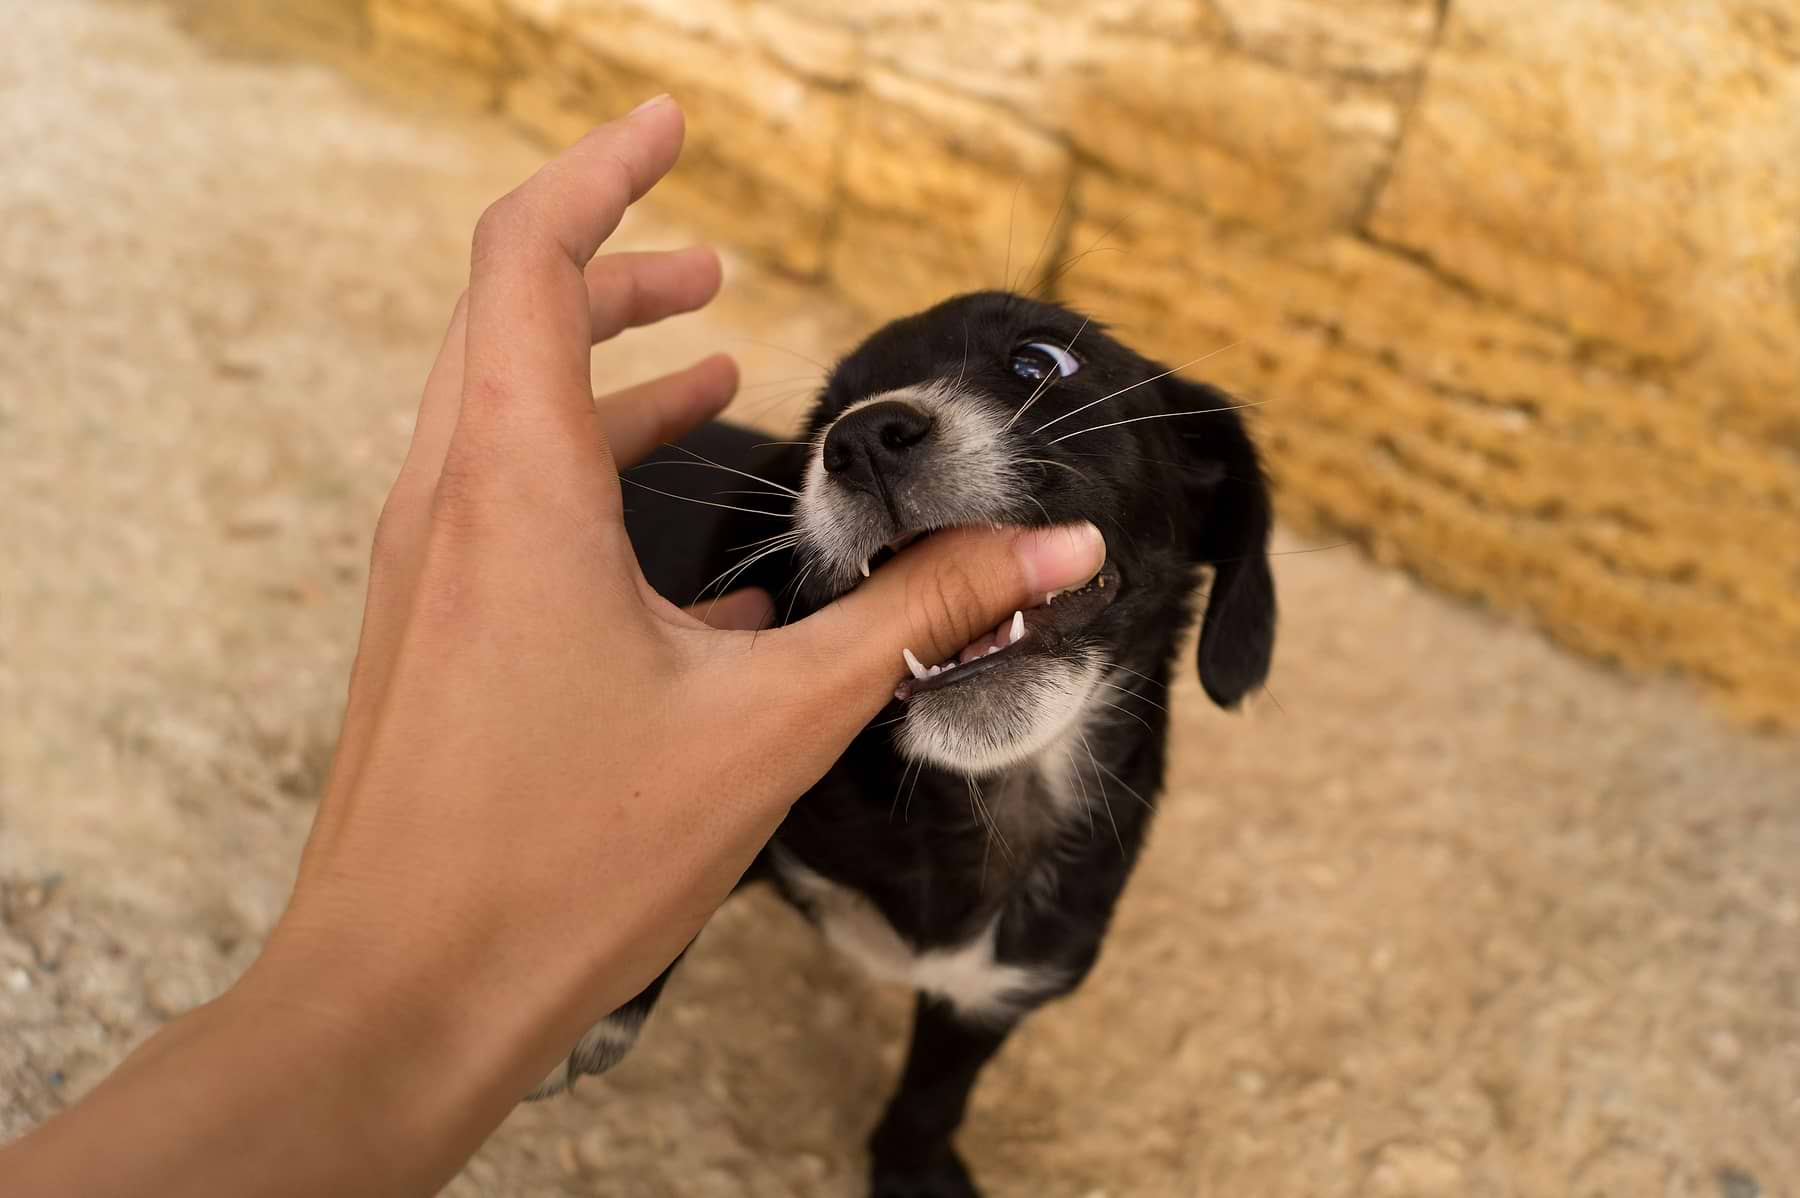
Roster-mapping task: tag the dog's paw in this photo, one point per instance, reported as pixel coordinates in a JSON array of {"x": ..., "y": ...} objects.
[{"x": 943, "y": 1177}]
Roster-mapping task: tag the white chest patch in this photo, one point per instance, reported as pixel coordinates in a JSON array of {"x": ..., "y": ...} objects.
[{"x": 966, "y": 976}]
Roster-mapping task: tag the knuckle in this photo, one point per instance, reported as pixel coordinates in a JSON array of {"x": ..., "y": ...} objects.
[
  {"x": 456, "y": 505},
  {"x": 617, "y": 177},
  {"x": 630, "y": 295},
  {"x": 490, "y": 226},
  {"x": 620, "y": 297},
  {"x": 443, "y": 599},
  {"x": 391, "y": 544},
  {"x": 484, "y": 394},
  {"x": 498, "y": 226}
]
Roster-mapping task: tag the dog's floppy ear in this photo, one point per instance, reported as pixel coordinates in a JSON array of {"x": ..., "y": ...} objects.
[{"x": 1229, "y": 519}]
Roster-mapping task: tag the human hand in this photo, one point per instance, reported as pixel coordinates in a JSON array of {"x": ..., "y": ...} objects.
[{"x": 549, "y": 775}]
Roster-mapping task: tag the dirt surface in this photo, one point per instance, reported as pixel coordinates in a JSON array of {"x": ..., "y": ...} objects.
[{"x": 1461, "y": 916}]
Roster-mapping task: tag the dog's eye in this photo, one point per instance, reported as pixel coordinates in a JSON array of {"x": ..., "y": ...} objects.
[{"x": 1035, "y": 361}]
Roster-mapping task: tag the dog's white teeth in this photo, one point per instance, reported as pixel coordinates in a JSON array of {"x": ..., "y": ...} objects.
[
  {"x": 913, "y": 664},
  {"x": 992, "y": 649},
  {"x": 865, "y": 567},
  {"x": 1049, "y": 599},
  {"x": 1018, "y": 628}
]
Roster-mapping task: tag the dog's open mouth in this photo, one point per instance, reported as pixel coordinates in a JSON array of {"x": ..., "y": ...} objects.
[{"x": 1034, "y": 630}]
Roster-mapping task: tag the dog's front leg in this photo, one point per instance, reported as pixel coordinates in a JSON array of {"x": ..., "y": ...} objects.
[{"x": 911, "y": 1154}]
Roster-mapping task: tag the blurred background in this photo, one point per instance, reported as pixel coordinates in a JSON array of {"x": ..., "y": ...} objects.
[{"x": 1498, "y": 894}]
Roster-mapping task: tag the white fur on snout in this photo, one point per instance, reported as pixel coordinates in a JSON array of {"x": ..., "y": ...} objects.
[
  {"x": 975, "y": 480},
  {"x": 975, "y": 477}
]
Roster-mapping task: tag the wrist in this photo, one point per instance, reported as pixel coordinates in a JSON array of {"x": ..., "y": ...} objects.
[
  {"x": 268, "y": 1089},
  {"x": 409, "y": 1070}
]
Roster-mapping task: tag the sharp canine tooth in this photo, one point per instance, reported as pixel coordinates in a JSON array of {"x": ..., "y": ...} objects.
[
  {"x": 912, "y": 663},
  {"x": 1018, "y": 627},
  {"x": 865, "y": 567}
]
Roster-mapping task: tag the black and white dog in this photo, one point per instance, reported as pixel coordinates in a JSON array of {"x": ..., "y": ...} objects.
[{"x": 1035, "y": 754}]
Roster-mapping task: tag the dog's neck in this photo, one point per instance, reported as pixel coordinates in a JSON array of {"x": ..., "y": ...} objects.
[{"x": 1026, "y": 813}]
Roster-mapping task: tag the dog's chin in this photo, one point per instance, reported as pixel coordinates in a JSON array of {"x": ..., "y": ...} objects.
[{"x": 1000, "y": 718}]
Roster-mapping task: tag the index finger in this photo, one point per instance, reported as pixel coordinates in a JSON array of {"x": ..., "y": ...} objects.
[{"x": 529, "y": 332}]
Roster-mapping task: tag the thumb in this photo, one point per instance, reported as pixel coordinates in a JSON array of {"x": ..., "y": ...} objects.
[{"x": 931, "y": 600}]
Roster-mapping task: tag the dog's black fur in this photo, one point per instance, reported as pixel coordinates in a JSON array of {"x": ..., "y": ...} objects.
[{"x": 1174, "y": 485}]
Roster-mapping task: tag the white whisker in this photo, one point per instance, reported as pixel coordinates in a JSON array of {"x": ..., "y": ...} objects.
[
  {"x": 788, "y": 381},
  {"x": 753, "y": 511},
  {"x": 782, "y": 349},
  {"x": 1082, "y": 474},
  {"x": 895, "y": 805},
  {"x": 1140, "y": 383},
  {"x": 1012, "y": 212},
  {"x": 732, "y": 573},
  {"x": 799, "y": 584},
  {"x": 1057, "y": 271},
  {"x": 1107, "y": 803},
  {"x": 987, "y": 816},
  {"x": 1230, "y": 407},
  {"x": 1145, "y": 677},
  {"x": 906, "y": 811},
  {"x": 776, "y": 495},
  {"x": 1125, "y": 690},
  {"x": 790, "y": 536},
  {"x": 1125, "y": 711},
  {"x": 1087, "y": 804},
  {"x": 1049, "y": 232},
  {"x": 1148, "y": 806},
  {"x": 702, "y": 459},
  {"x": 1048, "y": 380}
]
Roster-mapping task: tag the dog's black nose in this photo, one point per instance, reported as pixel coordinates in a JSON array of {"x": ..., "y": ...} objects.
[{"x": 873, "y": 445}]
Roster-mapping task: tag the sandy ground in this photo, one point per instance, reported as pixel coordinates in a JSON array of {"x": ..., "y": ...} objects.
[{"x": 1463, "y": 916}]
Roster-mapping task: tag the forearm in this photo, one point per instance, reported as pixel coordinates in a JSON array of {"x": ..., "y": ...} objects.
[{"x": 264, "y": 1093}]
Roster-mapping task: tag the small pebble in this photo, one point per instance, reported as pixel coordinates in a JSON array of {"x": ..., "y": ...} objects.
[{"x": 18, "y": 980}]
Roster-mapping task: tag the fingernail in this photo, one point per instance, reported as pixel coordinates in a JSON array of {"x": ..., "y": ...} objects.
[
  {"x": 1067, "y": 556},
  {"x": 652, "y": 102}
]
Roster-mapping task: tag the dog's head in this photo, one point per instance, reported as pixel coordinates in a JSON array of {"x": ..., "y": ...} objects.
[{"x": 995, "y": 409}]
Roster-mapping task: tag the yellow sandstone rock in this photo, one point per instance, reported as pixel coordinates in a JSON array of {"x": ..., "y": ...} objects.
[
  {"x": 1517, "y": 284},
  {"x": 941, "y": 193}
]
